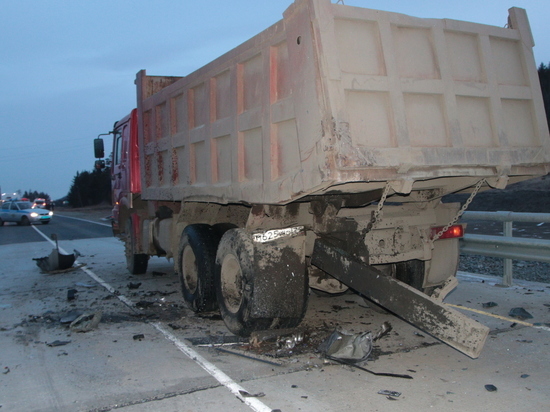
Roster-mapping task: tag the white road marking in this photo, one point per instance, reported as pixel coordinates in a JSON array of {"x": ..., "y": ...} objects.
[{"x": 254, "y": 403}]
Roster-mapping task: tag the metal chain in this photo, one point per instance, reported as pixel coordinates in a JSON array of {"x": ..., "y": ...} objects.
[
  {"x": 376, "y": 216},
  {"x": 461, "y": 211}
]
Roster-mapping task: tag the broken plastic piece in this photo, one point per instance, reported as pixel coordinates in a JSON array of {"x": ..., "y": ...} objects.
[
  {"x": 343, "y": 345},
  {"x": 389, "y": 393},
  {"x": 70, "y": 316},
  {"x": 384, "y": 330},
  {"x": 245, "y": 394},
  {"x": 71, "y": 294},
  {"x": 491, "y": 388},
  {"x": 58, "y": 343},
  {"x": 86, "y": 322},
  {"x": 56, "y": 260},
  {"x": 520, "y": 313},
  {"x": 489, "y": 304}
]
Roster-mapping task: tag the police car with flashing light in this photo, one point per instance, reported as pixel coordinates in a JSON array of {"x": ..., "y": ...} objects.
[{"x": 23, "y": 213}]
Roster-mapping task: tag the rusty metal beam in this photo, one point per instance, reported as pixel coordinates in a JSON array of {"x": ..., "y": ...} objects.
[{"x": 448, "y": 325}]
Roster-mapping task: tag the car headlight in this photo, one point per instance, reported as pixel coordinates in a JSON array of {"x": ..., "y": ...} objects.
[
  {"x": 34, "y": 214},
  {"x": 50, "y": 213}
]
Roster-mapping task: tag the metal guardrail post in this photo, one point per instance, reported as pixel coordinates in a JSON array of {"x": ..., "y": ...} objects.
[
  {"x": 508, "y": 267},
  {"x": 507, "y": 247}
]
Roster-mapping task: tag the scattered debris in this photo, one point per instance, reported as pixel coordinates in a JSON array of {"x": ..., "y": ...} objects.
[
  {"x": 86, "y": 322},
  {"x": 384, "y": 330},
  {"x": 216, "y": 340},
  {"x": 489, "y": 304},
  {"x": 143, "y": 304},
  {"x": 139, "y": 336},
  {"x": 524, "y": 340},
  {"x": 525, "y": 375},
  {"x": 242, "y": 355},
  {"x": 84, "y": 285},
  {"x": 245, "y": 394},
  {"x": 389, "y": 393},
  {"x": 290, "y": 342},
  {"x": 274, "y": 335},
  {"x": 520, "y": 313},
  {"x": 390, "y": 375},
  {"x": 159, "y": 273},
  {"x": 70, "y": 316},
  {"x": 56, "y": 260},
  {"x": 177, "y": 327},
  {"x": 345, "y": 346},
  {"x": 56, "y": 343},
  {"x": 71, "y": 294},
  {"x": 491, "y": 388},
  {"x": 6, "y": 370},
  {"x": 134, "y": 285},
  {"x": 352, "y": 347}
]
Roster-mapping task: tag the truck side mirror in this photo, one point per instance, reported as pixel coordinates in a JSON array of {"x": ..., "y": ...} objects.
[{"x": 98, "y": 148}]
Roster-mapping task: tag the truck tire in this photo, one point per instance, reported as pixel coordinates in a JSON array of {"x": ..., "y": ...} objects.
[
  {"x": 196, "y": 267},
  {"x": 136, "y": 263},
  {"x": 234, "y": 283}
]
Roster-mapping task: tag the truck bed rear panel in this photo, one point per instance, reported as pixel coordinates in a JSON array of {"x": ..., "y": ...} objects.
[{"x": 333, "y": 95}]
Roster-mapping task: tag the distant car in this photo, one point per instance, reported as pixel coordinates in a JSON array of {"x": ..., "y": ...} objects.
[
  {"x": 23, "y": 213},
  {"x": 40, "y": 203}
]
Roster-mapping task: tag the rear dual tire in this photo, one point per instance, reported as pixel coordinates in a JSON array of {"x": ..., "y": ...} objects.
[
  {"x": 235, "y": 285},
  {"x": 196, "y": 266}
]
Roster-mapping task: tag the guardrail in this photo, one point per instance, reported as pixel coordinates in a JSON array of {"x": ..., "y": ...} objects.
[{"x": 507, "y": 247}]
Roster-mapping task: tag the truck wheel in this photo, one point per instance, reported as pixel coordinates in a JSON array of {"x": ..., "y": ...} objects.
[
  {"x": 196, "y": 267},
  {"x": 135, "y": 262},
  {"x": 234, "y": 283}
]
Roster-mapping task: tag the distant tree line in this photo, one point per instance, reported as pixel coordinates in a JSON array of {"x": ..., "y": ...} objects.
[
  {"x": 90, "y": 188},
  {"x": 544, "y": 76},
  {"x": 32, "y": 195}
]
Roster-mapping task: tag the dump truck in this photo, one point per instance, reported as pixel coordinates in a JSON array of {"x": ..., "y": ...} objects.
[{"x": 315, "y": 155}]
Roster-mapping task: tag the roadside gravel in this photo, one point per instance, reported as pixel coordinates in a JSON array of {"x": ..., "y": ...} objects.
[{"x": 521, "y": 269}]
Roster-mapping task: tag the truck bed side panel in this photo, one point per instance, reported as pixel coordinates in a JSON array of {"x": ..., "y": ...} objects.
[{"x": 335, "y": 97}]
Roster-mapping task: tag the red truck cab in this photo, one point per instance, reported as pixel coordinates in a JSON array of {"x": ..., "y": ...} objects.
[{"x": 125, "y": 167}]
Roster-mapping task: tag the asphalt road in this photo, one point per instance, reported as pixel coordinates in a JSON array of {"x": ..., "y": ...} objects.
[
  {"x": 146, "y": 354},
  {"x": 66, "y": 227}
]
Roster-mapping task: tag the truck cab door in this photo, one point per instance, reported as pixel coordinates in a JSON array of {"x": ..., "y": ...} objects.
[{"x": 120, "y": 174}]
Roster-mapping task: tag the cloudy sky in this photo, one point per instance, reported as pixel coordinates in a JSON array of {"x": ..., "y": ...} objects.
[{"x": 67, "y": 68}]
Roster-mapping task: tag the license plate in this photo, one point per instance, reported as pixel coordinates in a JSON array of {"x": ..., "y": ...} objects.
[{"x": 274, "y": 234}]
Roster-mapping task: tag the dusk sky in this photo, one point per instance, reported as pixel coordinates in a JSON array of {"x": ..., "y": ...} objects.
[{"x": 68, "y": 67}]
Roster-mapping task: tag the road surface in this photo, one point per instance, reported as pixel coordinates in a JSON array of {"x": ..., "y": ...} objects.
[{"x": 146, "y": 353}]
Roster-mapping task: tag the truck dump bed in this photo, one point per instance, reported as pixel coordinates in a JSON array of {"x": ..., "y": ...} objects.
[{"x": 336, "y": 98}]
